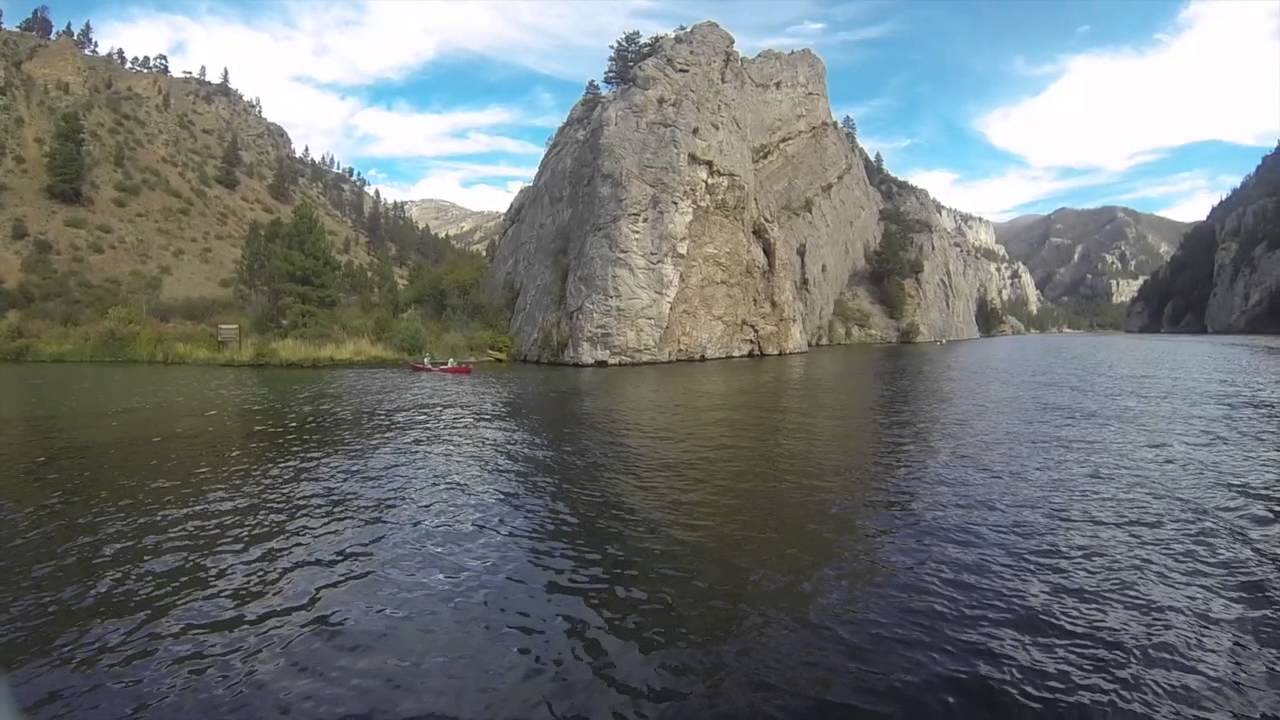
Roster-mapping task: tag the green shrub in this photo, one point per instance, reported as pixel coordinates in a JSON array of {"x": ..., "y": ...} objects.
[
  {"x": 95, "y": 247},
  {"x": 408, "y": 336},
  {"x": 127, "y": 187},
  {"x": 78, "y": 222},
  {"x": 18, "y": 230},
  {"x": 893, "y": 293},
  {"x": 104, "y": 228}
]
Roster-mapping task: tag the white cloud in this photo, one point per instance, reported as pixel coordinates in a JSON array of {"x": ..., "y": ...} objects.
[
  {"x": 1217, "y": 77},
  {"x": 1192, "y": 193},
  {"x": 1163, "y": 187},
  {"x": 860, "y": 110},
  {"x": 477, "y": 186},
  {"x": 300, "y": 61},
  {"x": 386, "y": 133},
  {"x": 868, "y": 32},
  {"x": 1083, "y": 29},
  {"x": 1192, "y": 207},
  {"x": 808, "y": 26},
  {"x": 998, "y": 197},
  {"x": 1184, "y": 183},
  {"x": 886, "y": 146}
]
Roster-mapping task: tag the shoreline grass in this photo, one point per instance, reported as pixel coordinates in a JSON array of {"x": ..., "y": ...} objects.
[{"x": 191, "y": 344}]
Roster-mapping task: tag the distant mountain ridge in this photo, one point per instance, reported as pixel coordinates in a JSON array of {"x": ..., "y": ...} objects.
[
  {"x": 466, "y": 228},
  {"x": 1096, "y": 254}
]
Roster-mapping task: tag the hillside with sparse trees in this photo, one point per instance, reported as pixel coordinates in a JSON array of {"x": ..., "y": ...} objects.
[{"x": 129, "y": 186}]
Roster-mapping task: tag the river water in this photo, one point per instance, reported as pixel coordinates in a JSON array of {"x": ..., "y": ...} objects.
[{"x": 1055, "y": 525}]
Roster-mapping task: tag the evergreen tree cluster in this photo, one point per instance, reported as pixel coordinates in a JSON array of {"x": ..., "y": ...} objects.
[
  {"x": 288, "y": 272},
  {"x": 38, "y": 23},
  {"x": 625, "y": 55},
  {"x": 290, "y": 280}
]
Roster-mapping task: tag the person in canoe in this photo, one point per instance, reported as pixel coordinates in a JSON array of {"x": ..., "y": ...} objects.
[{"x": 451, "y": 363}]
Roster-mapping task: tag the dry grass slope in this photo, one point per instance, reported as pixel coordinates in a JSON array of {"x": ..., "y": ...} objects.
[{"x": 154, "y": 143}]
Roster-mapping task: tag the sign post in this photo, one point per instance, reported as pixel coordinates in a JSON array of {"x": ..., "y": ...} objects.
[{"x": 228, "y": 334}]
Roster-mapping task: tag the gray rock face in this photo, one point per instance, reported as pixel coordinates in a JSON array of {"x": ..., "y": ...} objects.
[
  {"x": 1225, "y": 278},
  {"x": 1095, "y": 254},
  {"x": 711, "y": 209},
  {"x": 960, "y": 263},
  {"x": 1246, "y": 276},
  {"x": 468, "y": 229}
]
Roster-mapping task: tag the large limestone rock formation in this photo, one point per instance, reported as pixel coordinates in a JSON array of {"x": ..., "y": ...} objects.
[
  {"x": 713, "y": 209},
  {"x": 1226, "y": 276},
  {"x": 1100, "y": 254}
]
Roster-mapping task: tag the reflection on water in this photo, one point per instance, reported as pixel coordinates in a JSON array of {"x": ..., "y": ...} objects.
[{"x": 1026, "y": 526}]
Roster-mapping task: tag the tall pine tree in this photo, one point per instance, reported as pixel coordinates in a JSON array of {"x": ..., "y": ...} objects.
[
  {"x": 65, "y": 162},
  {"x": 84, "y": 39},
  {"x": 850, "y": 129},
  {"x": 39, "y": 23},
  {"x": 227, "y": 176},
  {"x": 282, "y": 179}
]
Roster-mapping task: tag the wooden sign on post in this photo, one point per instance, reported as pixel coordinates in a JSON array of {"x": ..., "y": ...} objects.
[{"x": 228, "y": 334}]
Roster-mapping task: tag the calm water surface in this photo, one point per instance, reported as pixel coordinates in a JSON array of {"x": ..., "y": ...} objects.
[{"x": 1070, "y": 525}]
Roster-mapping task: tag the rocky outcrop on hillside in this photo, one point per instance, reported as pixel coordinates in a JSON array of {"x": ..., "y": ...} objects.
[
  {"x": 1226, "y": 276},
  {"x": 468, "y": 229},
  {"x": 711, "y": 208},
  {"x": 1097, "y": 254}
]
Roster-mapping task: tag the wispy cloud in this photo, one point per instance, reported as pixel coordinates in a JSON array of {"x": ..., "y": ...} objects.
[
  {"x": 475, "y": 185},
  {"x": 860, "y": 110},
  {"x": 808, "y": 26},
  {"x": 1118, "y": 108},
  {"x": 886, "y": 146},
  {"x": 1002, "y": 196},
  {"x": 387, "y": 133},
  {"x": 1083, "y": 29},
  {"x": 1188, "y": 196},
  {"x": 1176, "y": 184}
]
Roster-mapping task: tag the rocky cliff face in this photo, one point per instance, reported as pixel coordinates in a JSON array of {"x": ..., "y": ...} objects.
[
  {"x": 713, "y": 209},
  {"x": 959, "y": 264},
  {"x": 468, "y": 229},
  {"x": 1100, "y": 254},
  {"x": 1226, "y": 276}
]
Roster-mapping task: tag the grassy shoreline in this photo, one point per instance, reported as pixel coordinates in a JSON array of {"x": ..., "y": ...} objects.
[{"x": 190, "y": 344}]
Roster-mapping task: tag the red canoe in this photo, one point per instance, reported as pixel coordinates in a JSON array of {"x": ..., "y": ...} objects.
[{"x": 455, "y": 370}]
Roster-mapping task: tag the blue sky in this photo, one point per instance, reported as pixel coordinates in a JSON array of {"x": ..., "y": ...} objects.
[{"x": 998, "y": 108}]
